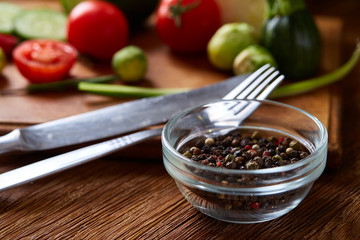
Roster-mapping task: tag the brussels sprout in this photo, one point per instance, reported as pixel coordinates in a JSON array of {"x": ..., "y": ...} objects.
[
  {"x": 227, "y": 42},
  {"x": 252, "y": 58}
]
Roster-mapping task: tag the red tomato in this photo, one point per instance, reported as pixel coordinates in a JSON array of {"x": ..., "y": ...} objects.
[
  {"x": 43, "y": 61},
  {"x": 187, "y": 25},
  {"x": 7, "y": 43},
  {"x": 97, "y": 28}
]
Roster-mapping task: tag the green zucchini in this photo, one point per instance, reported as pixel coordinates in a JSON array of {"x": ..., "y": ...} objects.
[{"x": 292, "y": 37}]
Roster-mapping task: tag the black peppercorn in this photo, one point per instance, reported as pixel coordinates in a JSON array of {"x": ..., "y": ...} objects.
[{"x": 248, "y": 152}]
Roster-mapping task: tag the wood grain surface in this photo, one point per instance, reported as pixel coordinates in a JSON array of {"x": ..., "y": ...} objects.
[{"x": 122, "y": 198}]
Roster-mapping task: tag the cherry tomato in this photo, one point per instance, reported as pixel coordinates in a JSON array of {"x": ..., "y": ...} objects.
[
  {"x": 7, "y": 43},
  {"x": 97, "y": 28},
  {"x": 187, "y": 25},
  {"x": 43, "y": 61}
]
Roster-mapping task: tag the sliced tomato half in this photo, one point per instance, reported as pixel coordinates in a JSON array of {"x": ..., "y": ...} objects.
[{"x": 42, "y": 61}]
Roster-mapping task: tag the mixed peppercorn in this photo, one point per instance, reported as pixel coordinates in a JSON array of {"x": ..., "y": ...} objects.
[{"x": 251, "y": 152}]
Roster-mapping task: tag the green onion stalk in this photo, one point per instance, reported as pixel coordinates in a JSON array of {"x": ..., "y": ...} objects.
[{"x": 126, "y": 91}]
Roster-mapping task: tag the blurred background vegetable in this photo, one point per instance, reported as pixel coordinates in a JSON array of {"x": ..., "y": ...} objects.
[
  {"x": 8, "y": 12},
  {"x": 130, "y": 64},
  {"x": 97, "y": 29},
  {"x": 228, "y": 41},
  {"x": 292, "y": 37},
  {"x": 136, "y": 11},
  {"x": 186, "y": 26},
  {"x": 252, "y": 58}
]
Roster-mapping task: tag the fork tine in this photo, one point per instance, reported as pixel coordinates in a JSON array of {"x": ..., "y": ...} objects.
[
  {"x": 264, "y": 87},
  {"x": 244, "y": 84},
  {"x": 270, "y": 88},
  {"x": 255, "y": 84},
  {"x": 263, "y": 84}
]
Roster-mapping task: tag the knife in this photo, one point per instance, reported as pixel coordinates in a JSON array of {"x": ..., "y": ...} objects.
[{"x": 111, "y": 121}]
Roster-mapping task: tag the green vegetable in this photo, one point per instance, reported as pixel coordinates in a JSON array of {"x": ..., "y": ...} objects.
[
  {"x": 252, "y": 58},
  {"x": 130, "y": 63},
  {"x": 41, "y": 23},
  {"x": 227, "y": 42},
  {"x": 8, "y": 12},
  {"x": 126, "y": 91},
  {"x": 317, "y": 82},
  {"x": 292, "y": 37},
  {"x": 58, "y": 86}
]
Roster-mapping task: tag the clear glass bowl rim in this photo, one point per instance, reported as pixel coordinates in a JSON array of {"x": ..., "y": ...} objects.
[{"x": 308, "y": 160}]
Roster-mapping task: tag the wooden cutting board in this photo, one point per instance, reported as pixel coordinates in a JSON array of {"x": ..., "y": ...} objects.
[{"x": 166, "y": 69}]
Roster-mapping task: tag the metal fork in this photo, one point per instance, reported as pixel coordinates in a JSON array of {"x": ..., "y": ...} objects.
[{"x": 258, "y": 85}]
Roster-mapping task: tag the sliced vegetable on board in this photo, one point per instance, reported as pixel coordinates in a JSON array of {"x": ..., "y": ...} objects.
[
  {"x": 97, "y": 29},
  {"x": 41, "y": 23},
  {"x": 186, "y": 26},
  {"x": 8, "y": 13},
  {"x": 42, "y": 61},
  {"x": 292, "y": 37}
]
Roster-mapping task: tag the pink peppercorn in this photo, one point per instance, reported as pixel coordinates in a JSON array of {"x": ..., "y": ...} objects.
[
  {"x": 247, "y": 147},
  {"x": 255, "y": 205}
]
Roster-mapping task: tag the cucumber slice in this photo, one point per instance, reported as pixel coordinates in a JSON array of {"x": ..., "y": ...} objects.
[
  {"x": 8, "y": 13},
  {"x": 41, "y": 23}
]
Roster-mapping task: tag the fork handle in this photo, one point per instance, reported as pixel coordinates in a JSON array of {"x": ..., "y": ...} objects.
[{"x": 70, "y": 159}]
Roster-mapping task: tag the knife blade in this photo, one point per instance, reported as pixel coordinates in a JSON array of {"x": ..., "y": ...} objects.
[{"x": 111, "y": 121}]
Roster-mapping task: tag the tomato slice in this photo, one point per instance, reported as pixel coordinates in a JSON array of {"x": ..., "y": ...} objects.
[{"x": 42, "y": 61}]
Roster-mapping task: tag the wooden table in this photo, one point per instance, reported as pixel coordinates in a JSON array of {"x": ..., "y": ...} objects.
[{"x": 127, "y": 198}]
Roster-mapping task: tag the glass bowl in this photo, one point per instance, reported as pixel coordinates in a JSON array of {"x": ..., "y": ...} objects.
[{"x": 244, "y": 196}]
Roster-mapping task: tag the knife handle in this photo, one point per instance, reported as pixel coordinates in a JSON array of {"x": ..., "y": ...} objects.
[{"x": 10, "y": 141}]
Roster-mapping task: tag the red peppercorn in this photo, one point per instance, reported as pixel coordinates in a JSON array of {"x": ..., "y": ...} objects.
[
  {"x": 280, "y": 140},
  {"x": 255, "y": 205},
  {"x": 266, "y": 153},
  {"x": 247, "y": 147}
]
